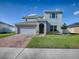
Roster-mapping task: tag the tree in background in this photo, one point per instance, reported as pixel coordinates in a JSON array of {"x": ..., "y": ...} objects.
[{"x": 64, "y": 27}]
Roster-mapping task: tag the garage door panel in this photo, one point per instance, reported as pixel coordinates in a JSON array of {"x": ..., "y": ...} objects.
[{"x": 28, "y": 30}]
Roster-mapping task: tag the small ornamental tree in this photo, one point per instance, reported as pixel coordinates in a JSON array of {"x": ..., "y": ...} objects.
[{"x": 64, "y": 27}]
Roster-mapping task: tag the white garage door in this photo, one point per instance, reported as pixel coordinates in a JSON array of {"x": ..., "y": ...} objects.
[{"x": 28, "y": 30}]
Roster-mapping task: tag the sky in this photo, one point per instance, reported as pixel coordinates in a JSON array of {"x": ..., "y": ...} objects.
[{"x": 12, "y": 11}]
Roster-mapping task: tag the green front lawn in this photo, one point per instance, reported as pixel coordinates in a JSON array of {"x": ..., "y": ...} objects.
[
  {"x": 55, "y": 41},
  {"x": 6, "y": 35}
]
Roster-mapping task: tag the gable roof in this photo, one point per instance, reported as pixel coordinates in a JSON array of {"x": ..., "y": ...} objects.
[
  {"x": 49, "y": 11},
  {"x": 32, "y": 17},
  {"x": 6, "y": 24},
  {"x": 74, "y": 25},
  {"x": 26, "y": 23},
  {"x": 29, "y": 23}
]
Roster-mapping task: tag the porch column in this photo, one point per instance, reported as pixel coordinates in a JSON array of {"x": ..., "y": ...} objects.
[
  {"x": 37, "y": 29},
  {"x": 17, "y": 30},
  {"x": 45, "y": 29}
]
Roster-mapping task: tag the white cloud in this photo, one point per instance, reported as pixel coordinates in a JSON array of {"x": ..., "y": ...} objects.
[
  {"x": 32, "y": 14},
  {"x": 76, "y": 12}
]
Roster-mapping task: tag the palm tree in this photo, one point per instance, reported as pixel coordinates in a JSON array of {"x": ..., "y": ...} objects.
[{"x": 64, "y": 27}]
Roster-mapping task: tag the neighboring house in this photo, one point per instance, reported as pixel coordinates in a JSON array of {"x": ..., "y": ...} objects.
[
  {"x": 51, "y": 21},
  {"x": 5, "y": 28},
  {"x": 74, "y": 28}
]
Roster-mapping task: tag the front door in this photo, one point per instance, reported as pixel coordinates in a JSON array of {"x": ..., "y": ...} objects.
[{"x": 41, "y": 28}]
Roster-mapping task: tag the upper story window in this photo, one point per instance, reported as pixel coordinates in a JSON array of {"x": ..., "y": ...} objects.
[
  {"x": 53, "y": 15},
  {"x": 26, "y": 19}
]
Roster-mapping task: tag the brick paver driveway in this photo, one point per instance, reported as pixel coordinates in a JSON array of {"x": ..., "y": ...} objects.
[{"x": 19, "y": 41}]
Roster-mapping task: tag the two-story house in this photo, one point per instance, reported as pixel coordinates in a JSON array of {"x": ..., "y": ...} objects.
[{"x": 51, "y": 21}]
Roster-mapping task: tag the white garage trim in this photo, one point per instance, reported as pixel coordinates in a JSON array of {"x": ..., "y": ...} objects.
[{"x": 28, "y": 30}]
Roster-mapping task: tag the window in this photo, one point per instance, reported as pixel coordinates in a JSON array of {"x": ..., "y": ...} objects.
[
  {"x": 53, "y": 28},
  {"x": 53, "y": 15},
  {"x": 56, "y": 15},
  {"x": 26, "y": 19}
]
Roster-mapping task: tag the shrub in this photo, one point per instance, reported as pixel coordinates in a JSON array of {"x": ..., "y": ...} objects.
[
  {"x": 74, "y": 33},
  {"x": 53, "y": 33}
]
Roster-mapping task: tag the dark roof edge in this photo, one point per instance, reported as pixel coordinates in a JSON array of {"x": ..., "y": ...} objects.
[
  {"x": 57, "y": 11},
  {"x": 74, "y": 25},
  {"x": 6, "y": 23},
  {"x": 28, "y": 17}
]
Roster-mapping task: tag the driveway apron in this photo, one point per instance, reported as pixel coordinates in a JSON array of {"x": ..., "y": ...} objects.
[{"x": 19, "y": 41}]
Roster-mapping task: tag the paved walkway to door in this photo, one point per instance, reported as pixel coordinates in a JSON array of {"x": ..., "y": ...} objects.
[{"x": 19, "y": 41}]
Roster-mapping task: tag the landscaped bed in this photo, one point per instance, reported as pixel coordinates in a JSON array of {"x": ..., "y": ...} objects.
[
  {"x": 6, "y": 35},
  {"x": 54, "y": 41}
]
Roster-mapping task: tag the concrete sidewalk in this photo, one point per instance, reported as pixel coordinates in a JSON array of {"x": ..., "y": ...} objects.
[
  {"x": 9, "y": 53},
  {"x": 27, "y": 53}
]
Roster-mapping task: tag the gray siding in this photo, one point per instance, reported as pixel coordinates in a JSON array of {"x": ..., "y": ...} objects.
[
  {"x": 54, "y": 21},
  {"x": 6, "y": 28}
]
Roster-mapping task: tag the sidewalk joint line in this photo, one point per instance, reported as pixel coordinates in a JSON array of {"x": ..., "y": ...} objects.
[{"x": 19, "y": 53}]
